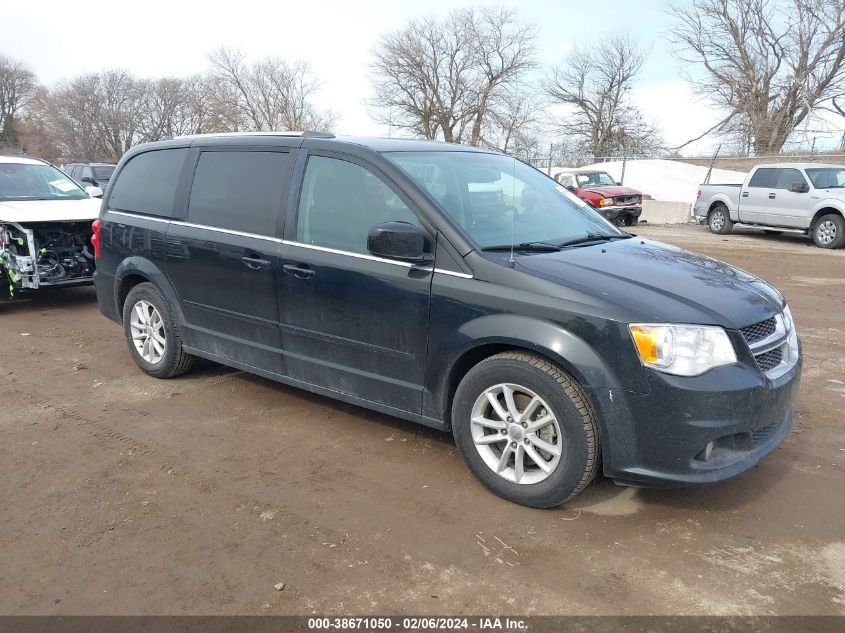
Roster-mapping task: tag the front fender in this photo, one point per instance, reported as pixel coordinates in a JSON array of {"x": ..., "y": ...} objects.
[
  {"x": 564, "y": 345},
  {"x": 828, "y": 203}
]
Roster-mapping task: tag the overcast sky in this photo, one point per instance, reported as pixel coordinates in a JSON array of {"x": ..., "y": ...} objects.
[{"x": 155, "y": 38}]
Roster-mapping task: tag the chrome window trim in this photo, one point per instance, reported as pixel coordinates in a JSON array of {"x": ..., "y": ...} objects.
[
  {"x": 152, "y": 218},
  {"x": 218, "y": 229},
  {"x": 336, "y": 251},
  {"x": 315, "y": 247},
  {"x": 325, "y": 249}
]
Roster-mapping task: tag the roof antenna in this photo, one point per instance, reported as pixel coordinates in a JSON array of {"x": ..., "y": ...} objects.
[{"x": 512, "y": 261}]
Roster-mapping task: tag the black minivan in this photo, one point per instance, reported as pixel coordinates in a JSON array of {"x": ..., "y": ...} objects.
[{"x": 455, "y": 287}]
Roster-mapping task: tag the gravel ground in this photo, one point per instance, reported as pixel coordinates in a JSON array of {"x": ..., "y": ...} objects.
[{"x": 123, "y": 494}]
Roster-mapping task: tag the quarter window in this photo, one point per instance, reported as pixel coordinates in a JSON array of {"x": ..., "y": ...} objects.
[
  {"x": 147, "y": 183},
  {"x": 342, "y": 201},
  {"x": 239, "y": 191}
]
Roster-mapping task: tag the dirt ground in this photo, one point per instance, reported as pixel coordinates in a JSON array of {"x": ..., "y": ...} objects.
[{"x": 123, "y": 494}]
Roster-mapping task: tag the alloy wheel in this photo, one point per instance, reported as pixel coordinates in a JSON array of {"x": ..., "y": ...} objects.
[
  {"x": 148, "y": 335},
  {"x": 717, "y": 220},
  {"x": 826, "y": 232},
  {"x": 516, "y": 434}
]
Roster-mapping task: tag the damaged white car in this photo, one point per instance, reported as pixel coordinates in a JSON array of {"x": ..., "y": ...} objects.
[{"x": 45, "y": 226}]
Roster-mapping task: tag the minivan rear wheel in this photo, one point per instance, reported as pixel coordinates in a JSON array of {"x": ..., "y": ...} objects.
[
  {"x": 526, "y": 430},
  {"x": 152, "y": 333}
]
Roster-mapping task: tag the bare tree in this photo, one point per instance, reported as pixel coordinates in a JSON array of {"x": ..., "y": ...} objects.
[
  {"x": 118, "y": 111},
  {"x": 94, "y": 116},
  {"x": 421, "y": 76},
  {"x": 503, "y": 49},
  {"x": 17, "y": 86},
  {"x": 271, "y": 93},
  {"x": 768, "y": 63},
  {"x": 437, "y": 78},
  {"x": 596, "y": 82},
  {"x": 512, "y": 125}
]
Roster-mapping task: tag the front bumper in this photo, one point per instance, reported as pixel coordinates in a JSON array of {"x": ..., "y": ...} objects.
[
  {"x": 611, "y": 212},
  {"x": 661, "y": 439}
]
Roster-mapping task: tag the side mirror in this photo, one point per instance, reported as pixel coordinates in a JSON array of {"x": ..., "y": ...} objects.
[
  {"x": 799, "y": 187},
  {"x": 618, "y": 183},
  {"x": 398, "y": 240},
  {"x": 87, "y": 179},
  {"x": 94, "y": 192}
]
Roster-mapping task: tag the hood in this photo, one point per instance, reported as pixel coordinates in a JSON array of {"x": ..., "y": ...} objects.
[
  {"x": 660, "y": 283},
  {"x": 26, "y": 211},
  {"x": 612, "y": 192}
]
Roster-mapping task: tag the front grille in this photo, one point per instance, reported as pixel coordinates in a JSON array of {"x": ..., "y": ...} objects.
[
  {"x": 759, "y": 331},
  {"x": 626, "y": 200},
  {"x": 770, "y": 359}
]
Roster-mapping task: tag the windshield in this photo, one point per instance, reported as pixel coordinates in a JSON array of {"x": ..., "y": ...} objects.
[
  {"x": 826, "y": 177},
  {"x": 498, "y": 200},
  {"x": 595, "y": 179},
  {"x": 103, "y": 172},
  {"x": 36, "y": 182}
]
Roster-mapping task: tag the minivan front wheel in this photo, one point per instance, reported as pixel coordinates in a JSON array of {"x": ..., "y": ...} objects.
[
  {"x": 526, "y": 429},
  {"x": 152, "y": 333}
]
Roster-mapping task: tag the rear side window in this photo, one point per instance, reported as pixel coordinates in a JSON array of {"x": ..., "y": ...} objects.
[
  {"x": 147, "y": 183},
  {"x": 764, "y": 178},
  {"x": 239, "y": 191}
]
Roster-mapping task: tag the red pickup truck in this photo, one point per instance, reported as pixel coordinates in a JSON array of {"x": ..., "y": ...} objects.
[{"x": 621, "y": 205}]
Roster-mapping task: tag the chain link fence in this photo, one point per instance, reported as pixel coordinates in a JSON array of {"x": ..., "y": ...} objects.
[{"x": 549, "y": 164}]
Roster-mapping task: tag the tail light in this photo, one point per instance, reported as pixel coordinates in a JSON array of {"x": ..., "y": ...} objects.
[
  {"x": 699, "y": 194},
  {"x": 95, "y": 238}
]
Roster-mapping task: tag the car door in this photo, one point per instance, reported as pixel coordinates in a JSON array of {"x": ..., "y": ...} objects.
[
  {"x": 223, "y": 257},
  {"x": 754, "y": 203},
  {"x": 352, "y": 322},
  {"x": 789, "y": 208}
]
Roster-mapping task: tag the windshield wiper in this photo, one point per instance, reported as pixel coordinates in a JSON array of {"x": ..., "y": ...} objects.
[
  {"x": 594, "y": 237},
  {"x": 540, "y": 247}
]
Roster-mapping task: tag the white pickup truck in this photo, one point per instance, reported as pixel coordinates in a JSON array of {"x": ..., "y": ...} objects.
[{"x": 806, "y": 198}]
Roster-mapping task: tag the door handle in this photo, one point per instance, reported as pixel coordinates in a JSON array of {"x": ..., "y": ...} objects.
[
  {"x": 300, "y": 272},
  {"x": 744, "y": 194},
  {"x": 772, "y": 196},
  {"x": 256, "y": 263}
]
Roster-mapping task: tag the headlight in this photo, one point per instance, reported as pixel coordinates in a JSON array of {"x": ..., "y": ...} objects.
[
  {"x": 605, "y": 201},
  {"x": 683, "y": 350}
]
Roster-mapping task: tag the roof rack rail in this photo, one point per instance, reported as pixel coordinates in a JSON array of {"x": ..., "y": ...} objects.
[{"x": 303, "y": 134}]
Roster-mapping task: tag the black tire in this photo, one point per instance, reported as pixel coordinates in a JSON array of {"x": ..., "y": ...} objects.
[
  {"x": 719, "y": 220},
  {"x": 631, "y": 220},
  {"x": 567, "y": 401},
  {"x": 174, "y": 361},
  {"x": 829, "y": 231}
]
